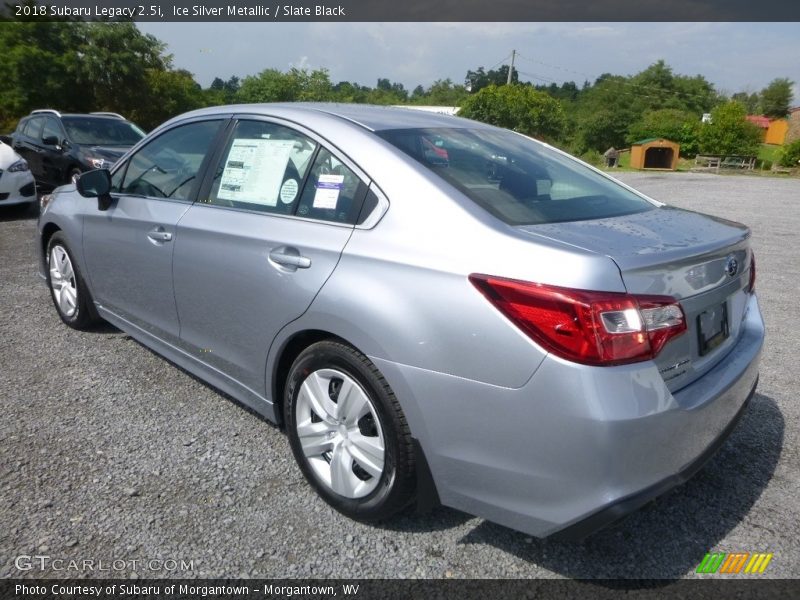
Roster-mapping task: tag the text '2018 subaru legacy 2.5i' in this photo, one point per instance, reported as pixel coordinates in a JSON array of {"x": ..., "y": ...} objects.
[{"x": 435, "y": 309}]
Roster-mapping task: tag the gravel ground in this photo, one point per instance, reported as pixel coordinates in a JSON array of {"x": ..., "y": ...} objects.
[{"x": 108, "y": 452}]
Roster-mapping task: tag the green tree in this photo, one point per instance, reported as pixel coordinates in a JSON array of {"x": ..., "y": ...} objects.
[
  {"x": 271, "y": 85},
  {"x": 478, "y": 79},
  {"x": 729, "y": 133},
  {"x": 670, "y": 123},
  {"x": 170, "y": 93},
  {"x": 36, "y": 62},
  {"x": 442, "y": 92},
  {"x": 116, "y": 65},
  {"x": 749, "y": 101},
  {"x": 776, "y": 98},
  {"x": 517, "y": 107},
  {"x": 83, "y": 67}
]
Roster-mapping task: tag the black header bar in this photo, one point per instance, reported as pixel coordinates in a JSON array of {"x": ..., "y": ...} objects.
[{"x": 408, "y": 10}]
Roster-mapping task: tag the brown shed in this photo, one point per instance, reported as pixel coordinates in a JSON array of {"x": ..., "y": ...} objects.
[{"x": 655, "y": 153}]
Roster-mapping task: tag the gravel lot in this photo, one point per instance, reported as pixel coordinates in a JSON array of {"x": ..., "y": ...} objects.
[{"x": 108, "y": 452}]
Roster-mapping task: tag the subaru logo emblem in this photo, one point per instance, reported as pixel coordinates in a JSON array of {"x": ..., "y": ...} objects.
[{"x": 732, "y": 266}]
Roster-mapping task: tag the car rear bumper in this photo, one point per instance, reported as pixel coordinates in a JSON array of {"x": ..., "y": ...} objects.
[{"x": 576, "y": 447}]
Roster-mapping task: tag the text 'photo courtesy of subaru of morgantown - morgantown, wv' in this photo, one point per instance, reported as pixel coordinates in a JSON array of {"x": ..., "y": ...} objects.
[{"x": 435, "y": 310}]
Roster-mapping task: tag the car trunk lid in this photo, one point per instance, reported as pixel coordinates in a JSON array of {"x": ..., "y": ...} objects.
[{"x": 700, "y": 260}]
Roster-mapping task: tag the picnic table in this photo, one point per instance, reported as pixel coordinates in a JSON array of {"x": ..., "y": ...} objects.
[{"x": 707, "y": 162}]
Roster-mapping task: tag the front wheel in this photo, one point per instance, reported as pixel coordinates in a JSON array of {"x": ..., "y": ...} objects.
[
  {"x": 67, "y": 288},
  {"x": 348, "y": 432}
]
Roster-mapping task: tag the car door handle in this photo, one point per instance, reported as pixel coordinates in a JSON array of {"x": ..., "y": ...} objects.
[
  {"x": 289, "y": 257},
  {"x": 159, "y": 235}
]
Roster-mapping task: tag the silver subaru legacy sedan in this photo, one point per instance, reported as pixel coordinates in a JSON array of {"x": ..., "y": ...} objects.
[{"x": 436, "y": 310}]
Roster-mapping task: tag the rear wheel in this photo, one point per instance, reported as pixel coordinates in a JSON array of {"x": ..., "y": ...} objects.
[
  {"x": 348, "y": 433},
  {"x": 67, "y": 288}
]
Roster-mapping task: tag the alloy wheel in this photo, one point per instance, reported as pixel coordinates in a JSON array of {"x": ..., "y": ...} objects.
[{"x": 63, "y": 281}]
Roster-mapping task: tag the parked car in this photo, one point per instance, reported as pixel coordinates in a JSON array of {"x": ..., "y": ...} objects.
[
  {"x": 16, "y": 182},
  {"x": 59, "y": 147},
  {"x": 435, "y": 309}
]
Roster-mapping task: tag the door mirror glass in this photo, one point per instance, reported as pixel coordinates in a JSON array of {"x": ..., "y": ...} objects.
[{"x": 94, "y": 184}]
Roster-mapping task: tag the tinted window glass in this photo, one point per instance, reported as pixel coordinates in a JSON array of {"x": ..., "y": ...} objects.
[
  {"x": 101, "y": 131},
  {"x": 33, "y": 128},
  {"x": 262, "y": 168},
  {"x": 516, "y": 179},
  {"x": 51, "y": 128},
  {"x": 167, "y": 167},
  {"x": 333, "y": 192}
]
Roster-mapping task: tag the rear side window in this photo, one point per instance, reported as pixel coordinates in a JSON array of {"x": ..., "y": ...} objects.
[
  {"x": 263, "y": 168},
  {"x": 514, "y": 178},
  {"x": 168, "y": 166},
  {"x": 270, "y": 168}
]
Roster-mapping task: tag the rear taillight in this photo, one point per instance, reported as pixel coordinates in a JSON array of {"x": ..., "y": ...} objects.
[
  {"x": 593, "y": 328},
  {"x": 751, "y": 287}
]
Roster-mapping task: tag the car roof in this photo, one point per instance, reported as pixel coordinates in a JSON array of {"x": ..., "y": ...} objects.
[{"x": 372, "y": 117}]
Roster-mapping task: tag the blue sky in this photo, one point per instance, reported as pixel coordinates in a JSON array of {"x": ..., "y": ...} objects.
[{"x": 733, "y": 56}]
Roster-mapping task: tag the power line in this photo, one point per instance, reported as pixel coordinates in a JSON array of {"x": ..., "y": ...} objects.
[{"x": 637, "y": 86}]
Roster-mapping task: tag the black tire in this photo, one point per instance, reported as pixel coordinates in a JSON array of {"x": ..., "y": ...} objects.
[
  {"x": 396, "y": 486},
  {"x": 85, "y": 314}
]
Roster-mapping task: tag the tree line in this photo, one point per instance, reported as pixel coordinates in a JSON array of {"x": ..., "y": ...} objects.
[{"x": 83, "y": 67}]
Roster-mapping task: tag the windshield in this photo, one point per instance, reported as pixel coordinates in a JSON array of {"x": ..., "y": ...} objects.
[
  {"x": 514, "y": 178},
  {"x": 96, "y": 131}
]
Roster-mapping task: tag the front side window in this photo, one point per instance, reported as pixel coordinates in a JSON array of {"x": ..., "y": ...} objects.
[
  {"x": 514, "y": 178},
  {"x": 263, "y": 168},
  {"x": 33, "y": 128},
  {"x": 168, "y": 166},
  {"x": 52, "y": 130}
]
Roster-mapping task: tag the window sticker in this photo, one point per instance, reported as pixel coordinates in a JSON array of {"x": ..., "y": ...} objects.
[
  {"x": 328, "y": 188},
  {"x": 288, "y": 191},
  {"x": 254, "y": 171}
]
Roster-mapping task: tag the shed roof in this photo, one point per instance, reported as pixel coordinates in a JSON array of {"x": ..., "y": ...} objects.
[
  {"x": 759, "y": 120},
  {"x": 652, "y": 139}
]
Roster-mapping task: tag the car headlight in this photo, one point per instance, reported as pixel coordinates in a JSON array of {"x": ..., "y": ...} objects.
[
  {"x": 20, "y": 165},
  {"x": 99, "y": 163},
  {"x": 44, "y": 201}
]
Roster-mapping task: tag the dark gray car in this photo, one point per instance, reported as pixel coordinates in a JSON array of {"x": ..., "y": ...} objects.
[{"x": 434, "y": 309}]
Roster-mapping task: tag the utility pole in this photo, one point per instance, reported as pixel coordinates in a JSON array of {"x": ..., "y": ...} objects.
[{"x": 511, "y": 70}]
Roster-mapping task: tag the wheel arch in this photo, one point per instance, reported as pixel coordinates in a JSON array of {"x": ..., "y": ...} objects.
[
  {"x": 287, "y": 354},
  {"x": 47, "y": 232}
]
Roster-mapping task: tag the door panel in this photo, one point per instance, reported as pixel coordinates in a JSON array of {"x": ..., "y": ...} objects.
[
  {"x": 130, "y": 271},
  {"x": 241, "y": 276},
  {"x": 128, "y": 248}
]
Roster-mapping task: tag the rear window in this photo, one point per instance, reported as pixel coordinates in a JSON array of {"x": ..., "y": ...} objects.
[
  {"x": 101, "y": 131},
  {"x": 519, "y": 181}
]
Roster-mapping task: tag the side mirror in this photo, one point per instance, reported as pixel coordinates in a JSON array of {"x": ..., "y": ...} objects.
[
  {"x": 50, "y": 140},
  {"x": 96, "y": 184}
]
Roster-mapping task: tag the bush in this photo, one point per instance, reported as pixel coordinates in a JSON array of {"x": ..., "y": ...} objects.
[
  {"x": 790, "y": 154},
  {"x": 593, "y": 157}
]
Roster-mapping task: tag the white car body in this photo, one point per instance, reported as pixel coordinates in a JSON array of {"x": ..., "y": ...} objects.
[{"x": 16, "y": 187}]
